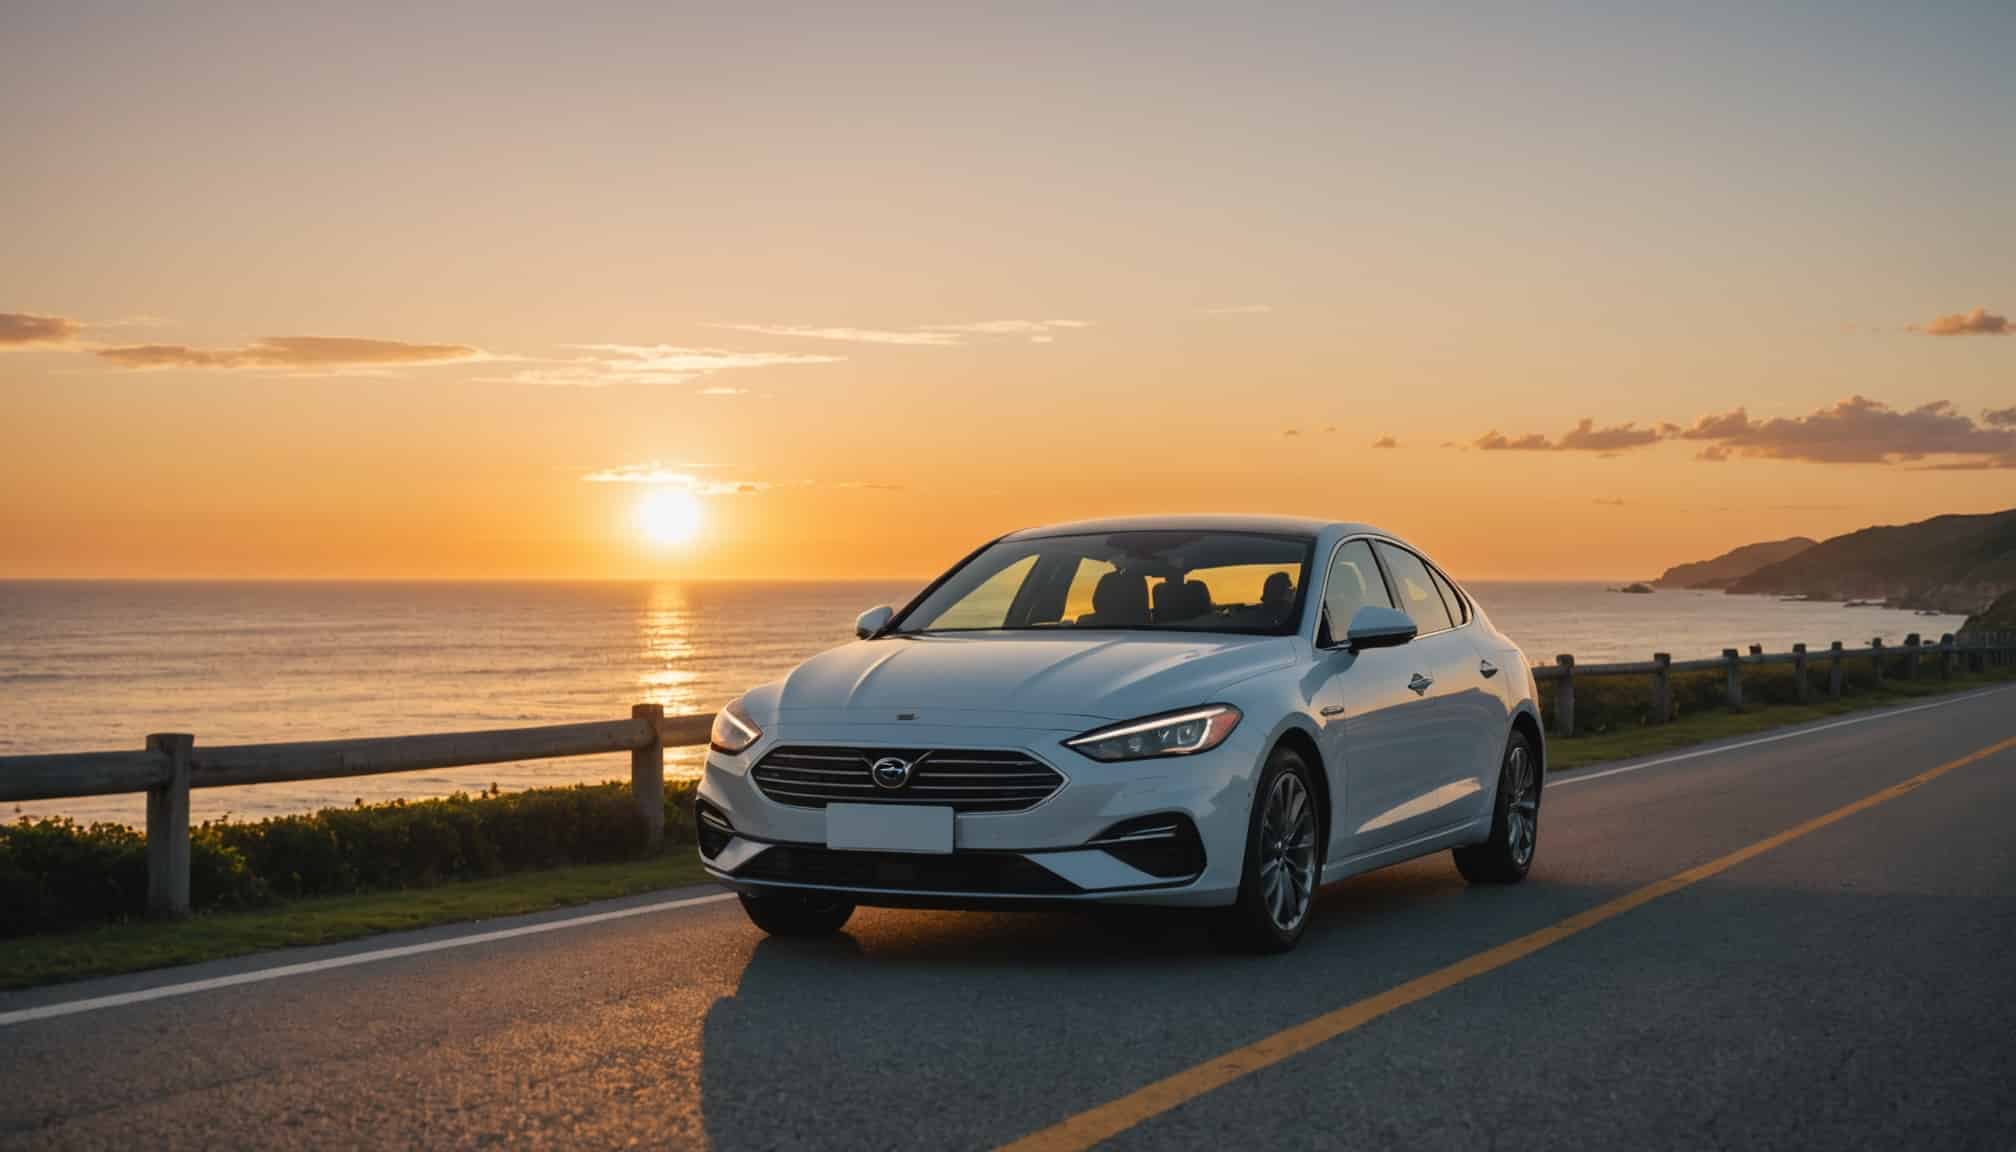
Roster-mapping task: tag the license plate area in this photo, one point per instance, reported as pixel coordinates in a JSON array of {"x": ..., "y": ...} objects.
[{"x": 889, "y": 828}]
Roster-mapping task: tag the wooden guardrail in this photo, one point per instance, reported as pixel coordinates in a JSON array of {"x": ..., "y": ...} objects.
[
  {"x": 1977, "y": 651},
  {"x": 172, "y": 763}
]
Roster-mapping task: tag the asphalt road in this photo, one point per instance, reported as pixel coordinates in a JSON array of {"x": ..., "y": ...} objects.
[{"x": 1852, "y": 988}]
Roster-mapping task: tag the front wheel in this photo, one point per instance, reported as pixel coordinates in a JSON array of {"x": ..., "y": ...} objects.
[
  {"x": 1282, "y": 860},
  {"x": 796, "y": 914},
  {"x": 1515, "y": 821}
]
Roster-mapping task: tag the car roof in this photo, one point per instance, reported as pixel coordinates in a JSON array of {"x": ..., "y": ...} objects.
[{"x": 1274, "y": 525}]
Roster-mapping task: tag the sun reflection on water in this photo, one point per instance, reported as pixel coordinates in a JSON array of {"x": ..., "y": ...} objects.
[{"x": 665, "y": 631}]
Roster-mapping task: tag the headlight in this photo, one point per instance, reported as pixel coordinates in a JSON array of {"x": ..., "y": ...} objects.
[
  {"x": 733, "y": 730},
  {"x": 1170, "y": 734}
]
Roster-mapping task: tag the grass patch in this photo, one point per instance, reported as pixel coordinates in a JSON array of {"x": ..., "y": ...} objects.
[
  {"x": 1625, "y": 738},
  {"x": 132, "y": 946}
]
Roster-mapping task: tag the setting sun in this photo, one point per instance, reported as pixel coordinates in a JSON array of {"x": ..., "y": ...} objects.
[{"x": 668, "y": 516}]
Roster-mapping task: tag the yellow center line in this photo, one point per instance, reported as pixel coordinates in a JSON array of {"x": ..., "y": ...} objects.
[{"x": 1090, "y": 1127}]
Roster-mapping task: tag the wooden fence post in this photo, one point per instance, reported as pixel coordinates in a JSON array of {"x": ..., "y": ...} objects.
[
  {"x": 647, "y": 776},
  {"x": 1662, "y": 688},
  {"x": 1834, "y": 670},
  {"x": 1800, "y": 686},
  {"x": 168, "y": 828},
  {"x": 1976, "y": 658},
  {"x": 1911, "y": 643},
  {"x": 1735, "y": 662},
  {"x": 1946, "y": 656},
  {"x": 1564, "y": 696},
  {"x": 1876, "y": 658}
]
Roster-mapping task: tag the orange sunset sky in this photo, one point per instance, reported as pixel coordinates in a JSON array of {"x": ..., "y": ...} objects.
[{"x": 795, "y": 292}]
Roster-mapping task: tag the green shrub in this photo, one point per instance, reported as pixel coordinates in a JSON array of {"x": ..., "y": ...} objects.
[
  {"x": 1609, "y": 703},
  {"x": 56, "y": 873}
]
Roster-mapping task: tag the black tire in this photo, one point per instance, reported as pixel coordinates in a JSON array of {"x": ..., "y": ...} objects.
[
  {"x": 797, "y": 914},
  {"x": 1515, "y": 820},
  {"x": 1255, "y": 922}
]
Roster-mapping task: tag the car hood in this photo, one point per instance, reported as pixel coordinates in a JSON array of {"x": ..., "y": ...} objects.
[{"x": 1103, "y": 676}]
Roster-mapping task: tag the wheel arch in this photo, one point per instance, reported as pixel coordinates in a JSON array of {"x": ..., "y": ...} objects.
[
  {"x": 1526, "y": 723},
  {"x": 1304, "y": 744}
]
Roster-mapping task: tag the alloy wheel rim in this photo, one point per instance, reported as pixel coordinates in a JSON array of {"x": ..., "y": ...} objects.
[
  {"x": 1287, "y": 852},
  {"x": 1522, "y": 809}
]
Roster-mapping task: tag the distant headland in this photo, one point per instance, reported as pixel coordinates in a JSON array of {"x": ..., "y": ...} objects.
[{"x": 1957, "y": 564}]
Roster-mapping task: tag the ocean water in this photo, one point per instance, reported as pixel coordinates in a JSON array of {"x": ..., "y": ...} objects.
[{"x": 89, "y": 666}]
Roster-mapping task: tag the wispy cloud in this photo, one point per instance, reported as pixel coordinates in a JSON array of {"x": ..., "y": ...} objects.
[
  {"x": 922, "y": 335},
  {"x": 141, "y": 321},
  {"x": 1584, "y": 437},
  {"x": 696, "y": 478},
  {"x": 1385, "y": 442},
  {"x": 655, "y": 475},
  {"x": 1859, "y": 430},
  {"x": 1979, "y": 322},
  {"x": 1496, "y": 441},
  {"x": 1238, "y": 310},
  {"x": 302, "y": 352},
  {"x": 28, "y": 330},
  {"x": 911, "y": 337},
  {"x": 601, "y": 365}
]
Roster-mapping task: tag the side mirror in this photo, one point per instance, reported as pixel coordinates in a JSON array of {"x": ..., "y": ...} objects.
[
  {"x": 870, "y": 624},
  {"x": 1376, "y": 627}
]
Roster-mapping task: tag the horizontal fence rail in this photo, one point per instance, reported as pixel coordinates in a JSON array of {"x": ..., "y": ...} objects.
[
  {"x": 1975, "y": 652},
  {"x": 172, "y": 764}
]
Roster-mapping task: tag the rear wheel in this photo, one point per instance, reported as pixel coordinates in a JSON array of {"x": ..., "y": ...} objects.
[
  {"x": 1278, "y": 884},
  {"x": 796, "y": 913},
  {"x": 1515, "y": 821}
]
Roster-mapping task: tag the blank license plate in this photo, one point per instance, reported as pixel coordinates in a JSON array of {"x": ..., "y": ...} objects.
[{"x": 889, "y": 828}]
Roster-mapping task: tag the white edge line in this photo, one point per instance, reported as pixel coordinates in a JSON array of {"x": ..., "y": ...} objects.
[
  {"x": 1585, "y": 777},
  {"x": 257, "y": 976}
]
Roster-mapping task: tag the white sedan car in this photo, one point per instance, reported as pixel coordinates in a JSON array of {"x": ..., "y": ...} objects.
[{"x": 1209, "y": 711}]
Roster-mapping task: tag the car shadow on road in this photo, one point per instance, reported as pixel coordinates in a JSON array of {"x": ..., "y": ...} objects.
[{"x": 967, "y": 1016}]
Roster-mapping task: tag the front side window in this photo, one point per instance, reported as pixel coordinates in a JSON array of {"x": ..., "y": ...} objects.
[
  {"x": 1243, "y": 582},
  {"x": 1353, "y": 582},
  {"x": 1416, "y": 589}
]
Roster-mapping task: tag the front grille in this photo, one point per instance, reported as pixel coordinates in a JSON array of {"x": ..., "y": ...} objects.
[
  {"x": 963, "y": 779},
  {"x": 965, "y": 873}
]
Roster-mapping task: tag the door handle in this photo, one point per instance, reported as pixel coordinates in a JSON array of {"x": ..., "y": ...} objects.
[
  {"x": 1487, "y": 668},
  {"x": 1420, "y": 684}
]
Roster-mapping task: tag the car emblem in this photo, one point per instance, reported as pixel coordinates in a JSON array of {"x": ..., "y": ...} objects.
[{"x": 890, "y": 772}]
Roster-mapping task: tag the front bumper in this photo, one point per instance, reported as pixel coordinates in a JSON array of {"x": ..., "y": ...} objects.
[{"x": 1113, "y": 833}]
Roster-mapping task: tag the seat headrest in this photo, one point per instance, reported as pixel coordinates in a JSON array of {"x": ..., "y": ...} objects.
[
  {"x": 1181, "y": 600},
  {"x": 1121, "y": 599},
  {"x": 1279, "y": 589}
]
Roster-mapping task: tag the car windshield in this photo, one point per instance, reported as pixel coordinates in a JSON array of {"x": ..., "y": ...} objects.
[{"x": 1246, "y": 582}]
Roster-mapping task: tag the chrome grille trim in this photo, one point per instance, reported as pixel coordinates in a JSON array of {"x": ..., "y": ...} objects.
[{"x": 966, "y": 780}]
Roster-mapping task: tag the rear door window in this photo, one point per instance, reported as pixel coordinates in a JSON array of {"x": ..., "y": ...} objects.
[
  {"x": 1416, "y": 589},
  {"x": 1458, "y": 610}
]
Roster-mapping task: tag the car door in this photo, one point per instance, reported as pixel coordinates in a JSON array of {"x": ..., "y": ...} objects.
[
  {"x": 1374, "y": 732},
  {"x": 1436, "y": 788},
  {"x": 1483, "y": 716}
]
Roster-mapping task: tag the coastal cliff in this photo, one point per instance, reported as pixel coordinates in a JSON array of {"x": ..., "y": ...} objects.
[
  {"x": 1947, "y": 563},
  {"x": 1733, "y": 564}
]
